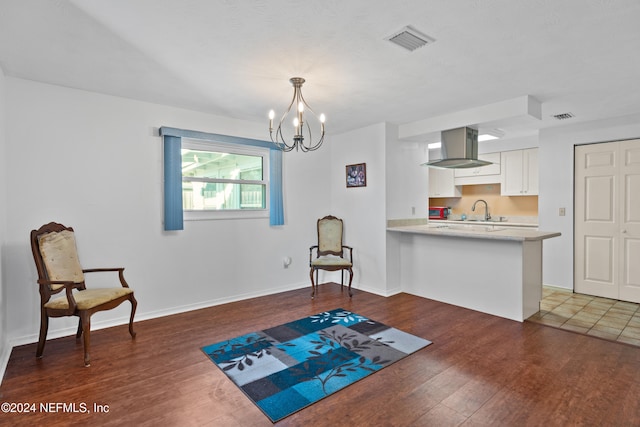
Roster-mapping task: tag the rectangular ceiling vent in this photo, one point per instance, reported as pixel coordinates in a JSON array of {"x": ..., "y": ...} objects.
[
  {"x": 564, "y": 116},
  {"x": 410, "y": 38}
]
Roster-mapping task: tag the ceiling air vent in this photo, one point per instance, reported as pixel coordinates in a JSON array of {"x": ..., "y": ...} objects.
[
  {"x": 563, "y": 116},
  {"x": 410, "y": 38}
]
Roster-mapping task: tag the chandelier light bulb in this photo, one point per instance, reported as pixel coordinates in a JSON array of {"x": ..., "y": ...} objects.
[
  {"x": 322, "y": 118},
  {"x": 272, "y": 114},
  {"x": 300, "y": 107}
]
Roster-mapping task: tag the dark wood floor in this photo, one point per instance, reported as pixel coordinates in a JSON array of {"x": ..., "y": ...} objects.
[{"x": 480, "y": 370}]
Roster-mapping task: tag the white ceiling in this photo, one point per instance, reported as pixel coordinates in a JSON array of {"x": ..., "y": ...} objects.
[{"x": 235, "y": 58}]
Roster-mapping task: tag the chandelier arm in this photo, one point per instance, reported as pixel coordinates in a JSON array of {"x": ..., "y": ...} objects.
[
  {"x": 309, "y": 147},
  {"x": 318, "y": 144},
  {"x": 281, "y": 143}
]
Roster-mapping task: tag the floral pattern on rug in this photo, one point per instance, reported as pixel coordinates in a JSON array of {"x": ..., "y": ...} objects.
[{"x": 288, "y": 367}]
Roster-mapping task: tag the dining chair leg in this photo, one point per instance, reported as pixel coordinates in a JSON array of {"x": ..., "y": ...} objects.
[
  {"x": 44, "y": 326},
  {"x": 313, "y": 287},
  {"x": 134, "y": 305},
  {"x": 79, "y": 331},
  {"x": 86, "y": 330}
]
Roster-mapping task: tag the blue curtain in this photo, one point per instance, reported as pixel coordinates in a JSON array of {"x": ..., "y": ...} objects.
[
  {"x": 173, "y": 213},
  {"x": 276, "y": 205}
]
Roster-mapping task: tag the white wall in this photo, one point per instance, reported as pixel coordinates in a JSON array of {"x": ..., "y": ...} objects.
[
  {"x": 407, "y": 181},
  {"x": 94, "y": 162},
  {"x": 508, "y": 144},
  {"x": 5, "y": 349},
  {"x": 362, "y": 208},
  {"x": 556, "y": 187}
]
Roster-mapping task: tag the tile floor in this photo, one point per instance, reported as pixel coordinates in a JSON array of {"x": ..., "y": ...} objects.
[{"x": 602, "y": 317}]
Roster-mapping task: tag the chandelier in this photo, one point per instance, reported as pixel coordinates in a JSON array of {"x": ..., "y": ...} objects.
[{"x": 298, "y": 130}]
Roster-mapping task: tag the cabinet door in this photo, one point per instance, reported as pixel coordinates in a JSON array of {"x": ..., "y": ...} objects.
[
  {"x": 512, "y": 173},
  {"x": 492, "y": 169},
  {"x": 530, "y": 162},
  {"x": 519, "y": 172},
  {"x": 441, "y": 183}
]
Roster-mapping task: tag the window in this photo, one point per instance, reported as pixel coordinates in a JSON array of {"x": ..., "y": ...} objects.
[
  {"x": 224, "y": 180},
  {"x": 244, "y": 186}
]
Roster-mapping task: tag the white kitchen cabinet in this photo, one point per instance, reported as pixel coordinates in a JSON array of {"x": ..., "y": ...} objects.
[
  {"x": 519, "y": 172},
  {"x": 441, "y": 183},
  {"x": 489, "y": 174}
]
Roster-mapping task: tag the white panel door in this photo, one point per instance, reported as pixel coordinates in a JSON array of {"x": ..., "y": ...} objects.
[
  {"x": 607, "y": 221},
  {"x": 630, "y": 220},
  {"x": 596, "y": 226}
]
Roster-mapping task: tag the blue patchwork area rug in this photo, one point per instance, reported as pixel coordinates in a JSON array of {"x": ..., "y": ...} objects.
[{"x": 288, "y": 367}]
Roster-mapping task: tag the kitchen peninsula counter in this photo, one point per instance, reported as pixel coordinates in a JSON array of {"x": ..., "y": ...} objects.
[
  {"x": 486, "y": 267},
  {"x": 479, "y": 230}
]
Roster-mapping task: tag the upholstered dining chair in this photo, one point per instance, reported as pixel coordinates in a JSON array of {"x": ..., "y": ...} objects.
[
  {"x": 59, "y": 272},
  {"x": 330, "y": 252}
]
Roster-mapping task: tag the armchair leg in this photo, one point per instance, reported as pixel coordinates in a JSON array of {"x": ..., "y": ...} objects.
[
  {"x": 44, "y": 326},
  {"x": 134, "y": 305},
  {"x": 79, "y": 333},
  {"x": 313, "y": 286},
  {"x": 350, "y": 280},
  {"x": 86, "y": 329}
]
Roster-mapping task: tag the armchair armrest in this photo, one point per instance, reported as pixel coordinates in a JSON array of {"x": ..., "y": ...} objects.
[
  {"x": 350, "y": 252},
  {"x": 94, "y": 270},
  {"x": 69, "y": 286},
  {"x": 64, "y": 283},
  {"x": 311, "y": 253},
  {"x": 120, "y": 271}
]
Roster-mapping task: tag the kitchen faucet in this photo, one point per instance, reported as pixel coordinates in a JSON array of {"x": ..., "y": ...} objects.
[{"x": 487, "y": 217}]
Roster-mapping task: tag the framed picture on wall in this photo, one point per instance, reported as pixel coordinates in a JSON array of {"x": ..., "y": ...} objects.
[{"x": 357, "y": 175}]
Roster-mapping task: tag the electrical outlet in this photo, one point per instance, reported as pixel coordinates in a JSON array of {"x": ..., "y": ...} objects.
[
  {"x": 286, "y": 262},
  {"x": 413, "y": 210},
  {"x": 561, "y": 212}
]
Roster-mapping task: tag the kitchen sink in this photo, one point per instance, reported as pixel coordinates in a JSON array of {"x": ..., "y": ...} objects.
[{"x": 492, "y": 220}]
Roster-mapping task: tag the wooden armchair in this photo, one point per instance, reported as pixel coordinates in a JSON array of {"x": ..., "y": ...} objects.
[
  {"x": 59, "y": 272},
  {"x": 330, "y": 252}
]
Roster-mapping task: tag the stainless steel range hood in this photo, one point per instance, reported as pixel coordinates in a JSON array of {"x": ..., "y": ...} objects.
[{"x": 459, "y": 150}]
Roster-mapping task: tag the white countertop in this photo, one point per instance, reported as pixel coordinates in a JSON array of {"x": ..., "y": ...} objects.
[
  {"x": 490, "y": 222},
  {"x": 495, "y": 231}
]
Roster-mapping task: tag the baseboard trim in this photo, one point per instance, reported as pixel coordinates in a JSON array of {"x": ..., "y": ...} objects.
[{"x": 102, "y": 324}]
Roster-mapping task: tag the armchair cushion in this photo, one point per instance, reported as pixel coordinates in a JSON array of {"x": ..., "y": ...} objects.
[
  {"x": 60, "y": 256},
  {"x": 330, "y": 235},
  {"x": 329, "y": 260},
  {"x": 89, "y": 298}
]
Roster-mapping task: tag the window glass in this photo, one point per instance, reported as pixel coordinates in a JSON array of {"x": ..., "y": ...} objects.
[{"x": 216, "y": 178}]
